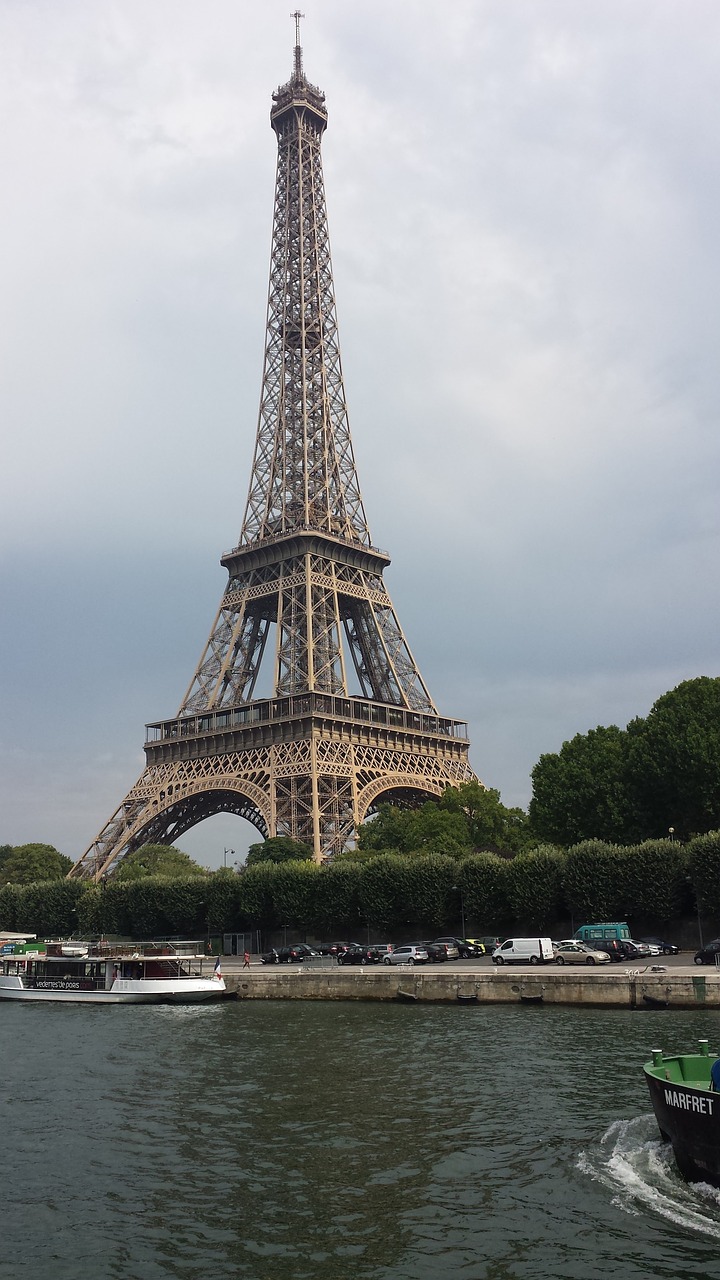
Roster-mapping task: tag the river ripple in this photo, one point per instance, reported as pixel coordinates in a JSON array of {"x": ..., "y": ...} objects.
[{"x": 305, "y": 1141}]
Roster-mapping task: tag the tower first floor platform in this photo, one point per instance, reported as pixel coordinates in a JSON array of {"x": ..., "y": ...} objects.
[{"x": 310, "y": 766}]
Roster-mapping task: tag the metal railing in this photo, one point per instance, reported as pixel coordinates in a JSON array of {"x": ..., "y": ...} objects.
[{"x": 265, "y": 711}]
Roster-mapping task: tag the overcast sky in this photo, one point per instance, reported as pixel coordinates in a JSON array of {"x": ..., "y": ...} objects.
[{"x": 523, "y": 205}]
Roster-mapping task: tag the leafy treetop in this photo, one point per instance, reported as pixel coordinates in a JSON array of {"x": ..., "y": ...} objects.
[
  {"x": 158, "y": 860},
  {"x": 464, "y": 818},
  {"x": 30, "y": 863},
  {"x": 278, "y": 849},
  {"x": 657, "y": 777}
]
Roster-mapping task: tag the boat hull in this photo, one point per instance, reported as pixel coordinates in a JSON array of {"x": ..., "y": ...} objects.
[
  {"x": 689, "y": 1118},
  {"x": 190, "y": 991}
]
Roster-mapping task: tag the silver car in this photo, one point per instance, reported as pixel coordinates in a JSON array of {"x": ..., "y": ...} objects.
[
  {"x": 579, "y": 953},
  {"x": 409, "y": 954}
]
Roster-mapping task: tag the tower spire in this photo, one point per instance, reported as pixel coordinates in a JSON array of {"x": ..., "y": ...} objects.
[
  {"x": 297, "y": 15},
  {"x": 345, "y": 719}
]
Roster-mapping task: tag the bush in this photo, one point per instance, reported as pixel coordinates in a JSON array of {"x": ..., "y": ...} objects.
[
  {"x": 655, "y": 880},
  {"x": 9, "y": 901},
  {"x": 482, "y": 877},
  {"x": 533, "y": 883},
  {"x": 338, "y": 898},
  {"x": 294, "y": 887},
  {"x": 384, "y": 892},
  {"x": 704, "y": 867},
  {"x": 593, "y": 881},
  {"x": 48, "y": 908},
  {"x": 429, "y": 885}
]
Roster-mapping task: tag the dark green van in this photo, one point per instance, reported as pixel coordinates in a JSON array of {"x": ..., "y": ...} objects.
[{"x": 616, "y": 931}]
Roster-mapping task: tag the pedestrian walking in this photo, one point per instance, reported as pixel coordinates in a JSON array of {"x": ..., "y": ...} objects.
[{"x": 246, "y": 960}]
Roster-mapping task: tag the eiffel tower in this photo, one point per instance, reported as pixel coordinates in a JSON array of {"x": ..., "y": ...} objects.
[{"x": 312, "y": 760}]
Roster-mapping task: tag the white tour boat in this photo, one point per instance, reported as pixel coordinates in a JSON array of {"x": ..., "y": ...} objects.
[{"x": 139, "y": 973}]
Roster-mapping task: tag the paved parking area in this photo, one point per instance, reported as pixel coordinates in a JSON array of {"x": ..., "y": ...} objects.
[{"x": 682, "y": 963}]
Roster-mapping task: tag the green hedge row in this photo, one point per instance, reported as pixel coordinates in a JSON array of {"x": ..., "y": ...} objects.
[{"x": 659, "y": 880}]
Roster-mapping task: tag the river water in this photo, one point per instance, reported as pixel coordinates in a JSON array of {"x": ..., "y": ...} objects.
[{"x": 303, "y": 1141}]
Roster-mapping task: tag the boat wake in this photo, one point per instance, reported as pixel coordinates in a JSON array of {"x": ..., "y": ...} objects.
[{"x": 639, "y": 1169}]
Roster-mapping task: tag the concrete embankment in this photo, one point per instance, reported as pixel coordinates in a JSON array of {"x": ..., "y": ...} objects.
[{"x": 626, "y": 989}]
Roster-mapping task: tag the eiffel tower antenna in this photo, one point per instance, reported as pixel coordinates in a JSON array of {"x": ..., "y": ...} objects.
[
  {"x": 297, "y": 15},
  {"x": 349, "y": 721}
]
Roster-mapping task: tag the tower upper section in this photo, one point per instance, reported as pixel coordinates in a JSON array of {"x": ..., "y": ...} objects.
[{"x": 303, "y": 474}]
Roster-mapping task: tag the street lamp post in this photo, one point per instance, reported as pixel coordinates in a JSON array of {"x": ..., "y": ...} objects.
[
  {"x": 225, "y": 855},
  {"x": 458, "y": 889}
]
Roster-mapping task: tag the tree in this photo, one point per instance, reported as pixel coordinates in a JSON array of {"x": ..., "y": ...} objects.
[
  {"x": 157, "y": 860},
  {"x": 464, "y": 818},
  {"x": 429, "y": 829},
  {"x": 491, "y": 825},
  {"x": 32, "y": 863},
  {"x": 580, "y": 792},
  {"x": 278, "y": 849},
  {"x": 658, "y": 776},
  {"x": 673, "y": 762}
]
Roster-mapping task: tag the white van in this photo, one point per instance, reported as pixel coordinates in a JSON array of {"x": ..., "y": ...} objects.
[{"x": 524, "y": 951}]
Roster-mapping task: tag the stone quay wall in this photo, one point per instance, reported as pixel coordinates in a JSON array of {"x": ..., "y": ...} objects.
[{"x": 626, "y": 989}]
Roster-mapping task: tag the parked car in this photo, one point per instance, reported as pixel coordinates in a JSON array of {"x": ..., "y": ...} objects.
[
  {"x": 283, "y": 955},
  {"x": 308, "y": 953},
  {"x": 489, "y": 943},
  {"x": 436, "y": 952},
  {"x": 449, "y": 946},
  {"x": 291, "y": 955},
  {"x": 652, "y": 947},
  {"x": 578, "y": 953},
  {"x": 383, "y": 949},
  {"x": 666, "y": 948},
  {"x": 411, "y": 953},
  {"x": 358, "y": 955},
  {"x": 635, "y": 950},
  {"x": 709, "y": 953},
  {"x": 334, "y": 947},
  {"x": 464, "y": 948},
  {"x": 614, "y": 949}
]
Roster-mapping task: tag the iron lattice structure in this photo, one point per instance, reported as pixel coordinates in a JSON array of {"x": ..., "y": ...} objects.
[{"x": 312, "y": 760}]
